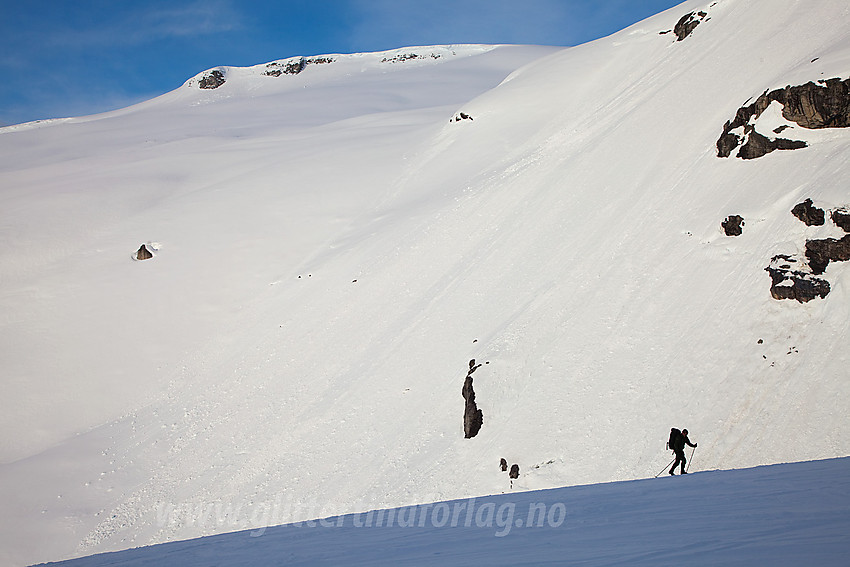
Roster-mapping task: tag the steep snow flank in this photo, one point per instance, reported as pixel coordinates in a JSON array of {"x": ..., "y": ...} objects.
[
  {"x": 332, "y": 254},
  {"x": 237, "y": 189},
  {"x": 107, "y": 362}
]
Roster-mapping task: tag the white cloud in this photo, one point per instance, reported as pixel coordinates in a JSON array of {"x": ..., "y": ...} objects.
[{"x": 198, "y": 18}]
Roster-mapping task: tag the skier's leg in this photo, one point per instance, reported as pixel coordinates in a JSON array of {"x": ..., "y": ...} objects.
[{"x": 675, "y": 464}]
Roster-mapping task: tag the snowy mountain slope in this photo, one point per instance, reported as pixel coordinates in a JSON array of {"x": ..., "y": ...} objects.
[
  {"x": 332, "y": 248},
  {"x": 770, "y": 515},
  {"x": 114, "y": 170},
  {"x": 236, "y": 201}
]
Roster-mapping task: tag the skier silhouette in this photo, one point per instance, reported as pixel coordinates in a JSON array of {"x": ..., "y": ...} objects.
[{"x": 677, "y": 444}]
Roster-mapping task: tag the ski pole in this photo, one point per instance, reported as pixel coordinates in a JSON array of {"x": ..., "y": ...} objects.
[
  {"x": 691, "y": 459},
  {"x": 665, "y": 468}
]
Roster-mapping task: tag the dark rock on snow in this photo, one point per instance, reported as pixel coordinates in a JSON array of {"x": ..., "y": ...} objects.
[
  {"x": 733, "y": 225},
  {"x": 143, "y": 253},
  {"x": 791, "y": 281},
  {"x": 808, "y": 213},
  {"x": 212, "y": 81},
  {"x": 514, "y": 471},
  {"x": 813, "y": 106},
  {"x": 293, "y": 67},
  {"x": 759, "y": 145},
  {"x": 277, "y": 69},
  {"x": 503, "y": 464},
  {"x": 821, "y": 252},
  {"x": 727, "y": 142},
  {"x": 825, "y": 104},
  {"x": 841, "y": 218},
  {"x": 473, "y": 417},
  {"x": 687, "y": 24}
]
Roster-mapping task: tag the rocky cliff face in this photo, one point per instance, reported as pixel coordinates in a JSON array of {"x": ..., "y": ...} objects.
[{"x": 825, "y": 104}]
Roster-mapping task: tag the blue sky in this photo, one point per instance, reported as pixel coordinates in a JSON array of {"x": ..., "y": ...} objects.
[{"x": 74, "y": 57}]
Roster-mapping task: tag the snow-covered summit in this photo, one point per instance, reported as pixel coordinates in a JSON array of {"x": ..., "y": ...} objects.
[{"x": 353, "y": 62}]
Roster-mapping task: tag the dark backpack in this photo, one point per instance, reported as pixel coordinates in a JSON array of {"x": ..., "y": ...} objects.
[{"x": 674, "y": 436}]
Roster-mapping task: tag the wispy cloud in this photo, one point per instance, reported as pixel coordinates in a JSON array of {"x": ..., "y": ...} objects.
[
  {"x": 144, "y": 24},
  {"x": 196, "y": 19}
]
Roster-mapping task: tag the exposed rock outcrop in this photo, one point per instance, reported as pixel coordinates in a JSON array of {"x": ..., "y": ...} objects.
[
  {"x": 733, "y": 225},
  {"x": 503, "y": 464},
  {"x": 825, "y": 104},
  {"x": 758, "y": 145},
  {"x": 212, "y": 81},
  {"x": 514, "y": 471},
  {"x": 808, "y": 213},
  {"x": 473, "y": 417},
  {"x": 813, "y": 106},
  {"x": 841, "y": 218},
  {"x": 401, "y": 57},
  {"x": 278, "y": 68},
  {"x": 791, "y": 280},
  {"x": 687, "y": 24},
  {"x": 821, "y": 252},
  {"x": 143, "y": 253},
  {"x": 294, "y": 66}
]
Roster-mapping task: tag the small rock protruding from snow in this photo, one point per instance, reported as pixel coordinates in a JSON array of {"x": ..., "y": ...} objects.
[
  {"x": 687, "y": 24},
  {"x": 733, "y": 225},
  {"x": 503, "y": 464},
  {"x": 473, "y": 417},
  {"x": 514, "y": 474},
  {"x": 143, "y": 253}
]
